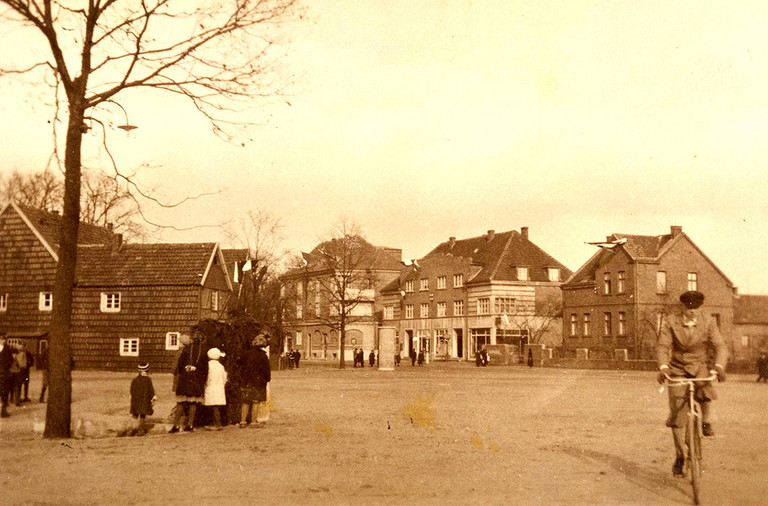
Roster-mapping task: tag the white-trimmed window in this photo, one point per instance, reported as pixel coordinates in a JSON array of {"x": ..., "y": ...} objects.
[
  {"x": 172, "y": 340},
  {"x": 661, "y": 282},
  {"x": 299, "y": 310},
  {"x": 622, "y": 323},
  {"x": 298, "y": 338},
  {"x": 574, "y": 324},
  {"x": 3, "y": 302},
  {"x": 483, "y": 305},
  {"x": 110, "y": 302},
  {"x": 129, "y": 347},
  {"x": 607, "y": 283},
  {"x": 424, "y": 284},
  {"x": 441, "y": 309},
  {"x": 409, "y": 310},
  {"x": 214, "y": 300},
  {"x": 441, "y": 282},
  {"x": 693, "y": 281},
  {"x": 553, "y": 273},
  {"x": 607, "y": 324},
  {"x": 409, "y": 285},
  {"x": 587, "y": 324},
  {"x": 504, "y": 305},
  {"x": 458, "y": 308},
  {"x": 45, "y": 302},
  {"x": 621, "y": 282},
  {"x": 424, "y": 310},
  {"x": 389, "y": 312},
  {"x": 458, "y": 280},
  {"x": 522, "y": 273}
]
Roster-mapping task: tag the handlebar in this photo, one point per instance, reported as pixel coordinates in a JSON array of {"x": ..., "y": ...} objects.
[{"x": 686, "y": 381}]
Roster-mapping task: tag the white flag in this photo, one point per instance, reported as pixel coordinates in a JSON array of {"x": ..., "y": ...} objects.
[
  {"x": 506, "y": 320},
  {"x": 247, "y": 266}
]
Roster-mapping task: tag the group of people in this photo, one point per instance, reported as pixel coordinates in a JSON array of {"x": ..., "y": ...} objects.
[
  {"x": 416, "y": 357},
  {"x": 15, "y": 364},
  {"x": 762, "y": 366},
  {"x": 358, "y": 356},
  {"x": 200, "y": 378},
  {"x": 294, "y": 356}
]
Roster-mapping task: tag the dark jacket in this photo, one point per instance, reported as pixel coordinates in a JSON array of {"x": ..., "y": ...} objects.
[
  {"x": 685, "y": 351},
  {"x": 142, "y": 392},
  {"x": 255, "y": 369},
  {"x": 192, "y": 383}
]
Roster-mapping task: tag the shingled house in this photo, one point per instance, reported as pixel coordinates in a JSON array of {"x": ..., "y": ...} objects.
[
  {"x": 499, "y": 288},
  {"x": 614, "y": 304},
  {"x": 131, "y": 301}
]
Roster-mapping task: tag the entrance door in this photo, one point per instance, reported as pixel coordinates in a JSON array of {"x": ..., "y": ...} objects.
[
  {"x": 459, "y": 342},
  {"x": 409, "y": 334}
]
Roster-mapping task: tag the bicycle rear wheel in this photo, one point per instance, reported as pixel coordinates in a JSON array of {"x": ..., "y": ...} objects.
[{"x": 694, "y": 456}]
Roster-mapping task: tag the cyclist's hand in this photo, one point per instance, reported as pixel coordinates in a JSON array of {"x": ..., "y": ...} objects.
[
  {"x": 720, "y": 371},
  {"x": 662, "y": 377}
]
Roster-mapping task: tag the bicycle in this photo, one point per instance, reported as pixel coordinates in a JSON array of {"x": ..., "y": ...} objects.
[{"x": 693, "y": 430}]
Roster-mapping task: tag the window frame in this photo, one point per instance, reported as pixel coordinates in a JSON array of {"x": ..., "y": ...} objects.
[
  {"x": 458, "y": 308},
  {"x": 409, "y": 311},
  {"x": 423, "y": 284},
  {"x": 45, "y": 301},
  {"x": 523, "y": 273},
  {"x": 574, "y": 325},
  {"x": 622, "y": 323},
  {"x": 169, "y": 338},
  {"x": 692, "y": 281},
  {"x": 587, "y": 324},
  {"x": 607, "y": 324},
  {"x": 409, "y": 285},
  {"x": 607, "y": 288},
  {"x": 621, "y": 282},
  {"x": 553, "y": 274},
  {"x": 105, "y": 306},
  {"x": 442, "y": 308},
  {"x": 458, "y": 280},
  {"x": 424, "y": 310},
  {"x": 389, "y": 312},
  {"x": 483, "y": 305},
  {"x": 664, "y": 288},
  {"x": 441, "y": 282},
  {"x": 3, "y": 302},
  {"x": 129, "y": 352}
]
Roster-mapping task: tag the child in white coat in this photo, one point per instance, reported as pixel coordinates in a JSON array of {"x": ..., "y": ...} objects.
[{"x": 215, "y": 396}]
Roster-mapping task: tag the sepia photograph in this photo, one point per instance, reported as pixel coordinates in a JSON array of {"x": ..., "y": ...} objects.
[{"x": 383, "y": 252}]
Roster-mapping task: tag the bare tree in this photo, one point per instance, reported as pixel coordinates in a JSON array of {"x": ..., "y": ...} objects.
[
  {"x": 343, "y": 267},
  {"x": 538, "y": 318},
  {"x": 213, "y": 53},
  {"x": 42, "y": 190}
]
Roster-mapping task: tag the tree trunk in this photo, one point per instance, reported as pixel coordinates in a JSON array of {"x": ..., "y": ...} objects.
[
  {"x": 58, "y": 411},
  {"x": 342, "y": 341}
]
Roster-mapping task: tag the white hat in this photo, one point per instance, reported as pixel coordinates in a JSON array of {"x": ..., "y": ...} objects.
[{"x": 214, "y": 354}]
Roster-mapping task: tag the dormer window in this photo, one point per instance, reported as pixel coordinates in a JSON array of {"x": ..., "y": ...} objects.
[
  {"x": 45, "y": 301},
  {"x": 553, "y": 274},
  {"x": 522, "y": 273},
  {"x": 110, "y": 302}
]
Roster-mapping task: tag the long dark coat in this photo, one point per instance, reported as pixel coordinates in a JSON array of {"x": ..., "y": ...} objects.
[
  {"x": 192, "y": 383},
  {"x": 255, "y": 372},
  {"x": 142, "y": 392}
]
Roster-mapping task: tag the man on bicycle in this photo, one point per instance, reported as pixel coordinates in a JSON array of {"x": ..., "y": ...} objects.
[{"x": 683, "y": 351}]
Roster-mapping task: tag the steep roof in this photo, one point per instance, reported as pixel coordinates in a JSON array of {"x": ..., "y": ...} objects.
[
  {"x": 366, "y": 255},
  {"x": 144, "y": 264},
  {"x": 499, "y": 254},
  {"x": 750, "y": 309},
  {"x": 235, "y": 255},
  {"x": 47, "y": 225}
]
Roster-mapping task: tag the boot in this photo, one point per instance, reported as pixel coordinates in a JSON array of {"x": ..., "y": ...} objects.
[{"x": 4, "y": 413}]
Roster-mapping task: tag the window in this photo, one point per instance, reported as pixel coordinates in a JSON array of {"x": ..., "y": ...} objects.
[
  {"x": 458, "y": 280},
  {"x": 587, "y": 324},
  {"x": 607, "y": 324},
  {"x": 441, "y": 307},
  {"x": 574, "y": 324},
  {"x": 622, "y": 323},
  {"x": 299, "y": 310},
  {"x": 129, "y": 347},
  {"x": 214, "y": 301},
  {"x": 620, "y": 285},
  {"x": 458, "y": 308},
  {"x": 478, "y": 338},
  {"x": 504, "y": 305},
  {"x": 409, "y": 310},
  {"x": 483, "y": 306},
  {"x": 693, "y": 281},
  {"x": 441, "y": 282},
  {"x": 522, "y": 273},
  {"x": 110, "y": 302},
  {"x": 607, "y": 283},
  {"x": 3, "y": 302},
  {"x": 424, "y": 310},
  {"x": 389, "y": 312},
  {"x": 553, "y": 274},
  {"x": 298, "y": 337},
  {"x": 45, "y": 303},
  {"x": 299, "y": 289},
  {"x": 172, "y": 340},
  {"x": 661, "y": 282},
  {"x": 409, "y": 285},
  {"x": 424, "y": 284}
]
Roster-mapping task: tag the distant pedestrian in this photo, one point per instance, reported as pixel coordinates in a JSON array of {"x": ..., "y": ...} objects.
[
  {"x": 256, "y": 376},
  {"x": 420, "y": 359},
  {"x": 412, "y": 356},
  {"x": 6, "y": 360},
  {"x": 397, "y": 359},
  {"x": 478, "y": 357},
  {"x": 26, "y": 361},
  {"x": 296, "y": 358},
  {"x": 762, "y": 367},
  {"x": 16, "y": 379},
  {"x": 142, "y": 398},
  {"x": 215, "y": 393},
  {"x": 372, "y": 359},
  {"x": 530, "y": 358}
]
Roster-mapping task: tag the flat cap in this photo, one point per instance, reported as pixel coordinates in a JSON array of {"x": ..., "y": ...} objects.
[{"x": 692, "y": 299}]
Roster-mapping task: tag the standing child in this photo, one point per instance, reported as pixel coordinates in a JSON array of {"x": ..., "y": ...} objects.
[
  {"x": 142, "y": 398},
  {"x": 215, "y": 396}
]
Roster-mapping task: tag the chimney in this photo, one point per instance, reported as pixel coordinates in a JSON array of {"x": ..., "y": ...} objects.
[
  {"x": 524, "y": 232},
  {"x": 675, "y": 230},
  {"x": 117, "y": 242},
  {"x": 491, "y": 235},
  {"x": 451, "y": 242},
  {"x": 110, "y": 227}
]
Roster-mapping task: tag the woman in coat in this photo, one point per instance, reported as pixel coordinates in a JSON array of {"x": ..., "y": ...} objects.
[
  {"x": 256, "y": 375},
  {"x": 192, "y": 371}
]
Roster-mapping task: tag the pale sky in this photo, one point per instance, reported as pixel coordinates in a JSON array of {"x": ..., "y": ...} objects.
[{"x": 424, "y": 120}]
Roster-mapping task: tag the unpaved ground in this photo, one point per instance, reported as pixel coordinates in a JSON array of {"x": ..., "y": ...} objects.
[{"x": 441, "y": 434}]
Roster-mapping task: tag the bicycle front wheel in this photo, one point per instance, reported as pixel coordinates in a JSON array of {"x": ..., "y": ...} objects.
[{"x": 694, "y": 456}]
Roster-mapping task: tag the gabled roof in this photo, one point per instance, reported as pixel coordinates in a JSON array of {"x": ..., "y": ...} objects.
[
  {"x": 46, "y": 226},
  {"x": 639, "y": 248},
  {"x": 750, "y": 309},
  {"x": 146, "y": 264},
  {"x": 235, "y": 255},
  {"x": 499, "y": 254},
  {"x": 367, "y": 256}
]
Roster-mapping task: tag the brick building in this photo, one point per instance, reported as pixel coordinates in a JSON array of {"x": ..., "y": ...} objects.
[
  {"x": 499, "y": 288},
  {"x": 313, "y": 296},
  {"x": 614, "y": 304},
  {"x": 130, "y": 302},
  {"x": 750, "y": 322}
]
